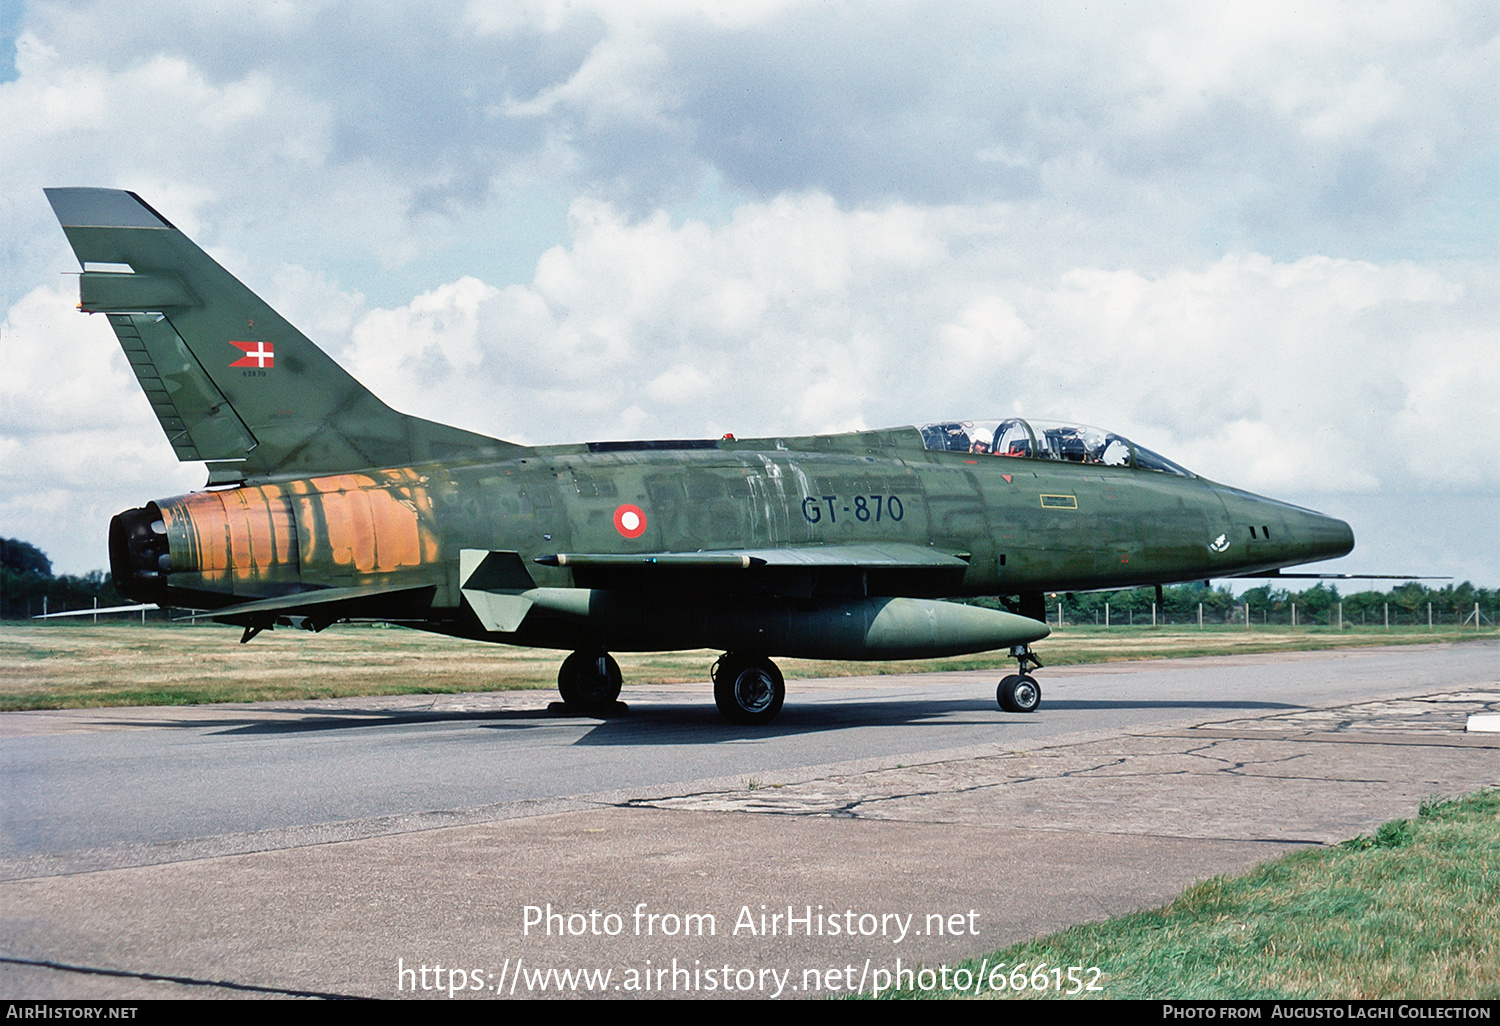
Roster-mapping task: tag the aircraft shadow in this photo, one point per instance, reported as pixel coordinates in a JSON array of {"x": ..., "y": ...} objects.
[
  {"x": 700, "y": 723},
  {"x": 684, "y": 724}
]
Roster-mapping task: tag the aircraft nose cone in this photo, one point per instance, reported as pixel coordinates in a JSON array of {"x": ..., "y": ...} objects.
[
  {"x": 1344, "y": 537},
  {"x": 1323, "y": 537}
]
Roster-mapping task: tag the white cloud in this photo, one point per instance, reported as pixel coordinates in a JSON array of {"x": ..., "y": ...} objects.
[
  {"x": 438, "y": 331},
  {"x": 37, "y": 384}
]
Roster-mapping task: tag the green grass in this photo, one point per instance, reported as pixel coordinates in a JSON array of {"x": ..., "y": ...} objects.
[
  {"x": 1412, "y": 911},
  {"x": 64, "y": 665}
]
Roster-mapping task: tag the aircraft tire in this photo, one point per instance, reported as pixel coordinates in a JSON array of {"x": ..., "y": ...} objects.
[
  {"x": 1019, "y": 693},
  {"x": 589, "y": 680},
  {"x": 748, "y": 692}
]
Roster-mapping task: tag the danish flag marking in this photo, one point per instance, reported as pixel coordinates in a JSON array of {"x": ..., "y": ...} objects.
[{"x": 257, "y": 354}]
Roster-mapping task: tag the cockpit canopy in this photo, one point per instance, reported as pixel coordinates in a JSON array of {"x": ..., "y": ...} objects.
[{"x": 1044, "y": 440}]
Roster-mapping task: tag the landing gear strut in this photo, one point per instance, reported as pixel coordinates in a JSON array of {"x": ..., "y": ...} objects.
[
  {"x": 1019, "y": 692},
  {"x": 589, "y": 683},
  {"x": 748, "y": 690}
]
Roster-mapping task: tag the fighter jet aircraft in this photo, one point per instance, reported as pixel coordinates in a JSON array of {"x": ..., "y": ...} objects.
[{"x": 323, "y": 505}]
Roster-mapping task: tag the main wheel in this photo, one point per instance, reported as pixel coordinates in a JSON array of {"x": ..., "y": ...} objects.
[
  {"x": 748, "y": 691},
  {"x": 589, "y": 680},
  {"x": 1019, "y": 693}
]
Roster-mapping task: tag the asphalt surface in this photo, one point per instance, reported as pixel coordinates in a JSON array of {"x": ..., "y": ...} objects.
[{"x": 352, "y": 847}]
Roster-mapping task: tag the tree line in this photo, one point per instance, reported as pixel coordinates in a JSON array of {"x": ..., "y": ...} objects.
[
  {"x": 27, "y": 584},
  {"x": 1405, "y": 604}
]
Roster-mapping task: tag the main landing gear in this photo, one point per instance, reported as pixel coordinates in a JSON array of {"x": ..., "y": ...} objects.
[
  {"x": 748, "y": 690},
  {"x": 1019, "y": 692},
  {"x": 589, "y": 683}
]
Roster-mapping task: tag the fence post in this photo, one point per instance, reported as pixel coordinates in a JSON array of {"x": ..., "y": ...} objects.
[{"x": 1200, "y": 614}]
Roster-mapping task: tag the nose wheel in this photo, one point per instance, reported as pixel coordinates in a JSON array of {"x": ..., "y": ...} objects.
[{"x": 1019, "y": 692}]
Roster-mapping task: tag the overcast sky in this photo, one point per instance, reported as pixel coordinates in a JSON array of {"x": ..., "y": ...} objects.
[{"x": 1259, "y": 238}]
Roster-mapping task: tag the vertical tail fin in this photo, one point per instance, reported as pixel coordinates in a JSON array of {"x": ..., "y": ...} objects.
[{"x": 231, "y": 381}]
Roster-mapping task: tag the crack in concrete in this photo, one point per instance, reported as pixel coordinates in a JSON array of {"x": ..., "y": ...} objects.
[
  {"x": 186, "y": 981},
  {"x": 1119, "y": 784}
]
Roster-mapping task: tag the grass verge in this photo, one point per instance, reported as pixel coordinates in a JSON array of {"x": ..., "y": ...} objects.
[
  {"x": 72, "y": 665},
  {"x": 1412, "y": 912}
]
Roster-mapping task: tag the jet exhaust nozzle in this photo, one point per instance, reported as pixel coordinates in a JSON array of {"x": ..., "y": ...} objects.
[{"x": 139, "y": 556}]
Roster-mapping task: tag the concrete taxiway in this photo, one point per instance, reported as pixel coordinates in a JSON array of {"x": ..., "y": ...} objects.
[{"x": 794, "y": 880}]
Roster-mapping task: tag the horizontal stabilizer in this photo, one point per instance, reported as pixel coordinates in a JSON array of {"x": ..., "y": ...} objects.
[{"x": 329, "y": 605}]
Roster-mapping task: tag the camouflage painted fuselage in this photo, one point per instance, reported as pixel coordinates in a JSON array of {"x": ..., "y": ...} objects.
[{"x": 1015, "y": 526}]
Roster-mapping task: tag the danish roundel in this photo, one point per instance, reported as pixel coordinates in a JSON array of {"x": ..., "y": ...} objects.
[{"x": 630, "y": 520}]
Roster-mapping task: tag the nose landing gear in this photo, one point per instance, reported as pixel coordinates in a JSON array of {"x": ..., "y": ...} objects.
[{"x": 1019, "y": 692}]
